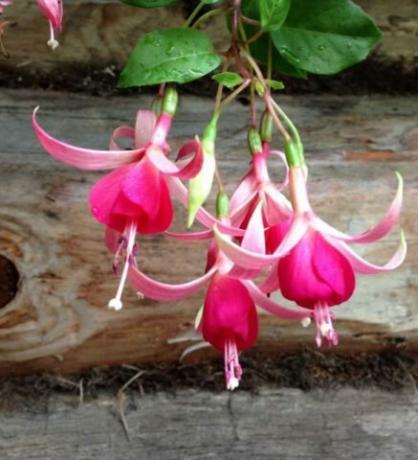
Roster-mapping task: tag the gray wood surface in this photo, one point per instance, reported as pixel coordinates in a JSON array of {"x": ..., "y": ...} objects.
[
  {"x": 282, "y": 424},
  {"x": 59, "y": 320}
]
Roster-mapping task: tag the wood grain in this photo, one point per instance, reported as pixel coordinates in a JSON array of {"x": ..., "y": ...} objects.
[
  {"x": 101, "y": 34},
  {"x": 59, "y": 321},
  {"x": 347, "y": 424}
]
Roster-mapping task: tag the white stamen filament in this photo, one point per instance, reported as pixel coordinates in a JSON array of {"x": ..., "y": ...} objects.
[
  {"x": 52, "y": 42},
  {"x": 324, "y": 328},
  {"x": 233, "y": 371},
  {"x": 116, "y": 302}
]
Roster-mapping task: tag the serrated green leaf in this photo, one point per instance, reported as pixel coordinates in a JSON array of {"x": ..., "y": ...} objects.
[
  {"x": 273, "y": 13},
  {"x": 149, "y": 3},
  {"x": 228, "y": 79},
  {"x": 169, "y": 55},
  {"x": 275, "y": 84},
  {"x": 325, "y": 36}
]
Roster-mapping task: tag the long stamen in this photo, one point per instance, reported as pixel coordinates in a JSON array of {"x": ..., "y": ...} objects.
[
  {"x": 324, "y": 328},
  {"x": 52, "y": 42},
  {"x": 233, "y": 370},
  {"x": 116, "y": 302}
]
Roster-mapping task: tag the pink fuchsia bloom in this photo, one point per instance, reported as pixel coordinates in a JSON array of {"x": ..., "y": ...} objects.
[
  {"x": 4, "y": 3},
  {"x": 54, "y": 11},
  {"x": 229, "y": 323},
  {"x": 315, "y": 266},
  {"x": 228, "y": 320},
  {"x": 135, "y": 197}
]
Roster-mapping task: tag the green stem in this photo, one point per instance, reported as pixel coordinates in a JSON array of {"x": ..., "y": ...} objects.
[
  {"x": 208, "y": 15},
  {"x": 194, "y": 13}
]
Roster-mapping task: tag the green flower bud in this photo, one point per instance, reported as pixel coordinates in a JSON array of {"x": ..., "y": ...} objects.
[
  {"x": 170, "y": 101},
  {"x": 254, "y": 141},
  {"x": 222, "y": 205}
]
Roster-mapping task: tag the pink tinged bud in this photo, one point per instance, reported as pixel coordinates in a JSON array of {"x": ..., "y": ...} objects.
[
  {"x": 53, "y": 10},
  {"x": 135, "y": 193},
  {"x": 229, "y": 322}
]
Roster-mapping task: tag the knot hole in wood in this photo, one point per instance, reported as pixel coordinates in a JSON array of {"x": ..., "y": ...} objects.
[{"x": 9, "y": 279}]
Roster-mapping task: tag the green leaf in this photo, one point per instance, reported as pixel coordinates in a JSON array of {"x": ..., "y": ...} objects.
[
  {"x": 273, "y": 13},
  {"x": 228, "y": 79},
  {"x": 149, "y": 3},
  {"x": 275, "y": 84},
  {"x": 325, "y": 36},
  {"x": 169, "y": 55},
  {"x": 259, "y": 49}
]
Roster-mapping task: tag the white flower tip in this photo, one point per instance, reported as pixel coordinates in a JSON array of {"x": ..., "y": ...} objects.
[
  {"x": 115, "y": 304},
  {"x": 53, "y": 44},
  {"x": 306, "y": 322},
  {"x": 140, "y": 295},
  {"x": 232, "y": 383},
  {"x": 324, "y": 328}
]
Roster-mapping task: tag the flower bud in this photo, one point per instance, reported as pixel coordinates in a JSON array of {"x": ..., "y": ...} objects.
[
  {"x": 254, "y": 141},
  {"x": 266, "y": 127},
  {"x": 222, "y": 205},
  {"x": 201, "y": 185},
  {"x": 170, "y": 101}
]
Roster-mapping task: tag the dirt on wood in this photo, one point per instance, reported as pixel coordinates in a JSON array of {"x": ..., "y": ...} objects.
[
  {"x": 371, "y": 76},
  {"x": 390, "y": 370}
]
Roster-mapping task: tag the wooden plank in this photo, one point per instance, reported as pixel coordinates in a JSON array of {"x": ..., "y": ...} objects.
[
  {"x": 59, "y": 320},
  {"x": 275, "y": 424},
  {"x": 101, "y": 34}
]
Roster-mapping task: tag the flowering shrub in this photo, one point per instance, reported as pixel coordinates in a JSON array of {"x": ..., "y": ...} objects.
[{"x": 260, "y": 241}]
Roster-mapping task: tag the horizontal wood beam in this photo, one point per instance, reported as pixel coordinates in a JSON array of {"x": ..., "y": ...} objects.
[{"x": 59, "y": 320}]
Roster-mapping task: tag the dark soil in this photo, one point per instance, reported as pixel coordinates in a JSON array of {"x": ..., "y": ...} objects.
[
  {"x": 371, "y": 76},
  {"x": 389, "y": 370}
]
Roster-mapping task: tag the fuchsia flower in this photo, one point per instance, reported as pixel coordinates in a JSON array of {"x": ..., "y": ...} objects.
[
  {"x": 4, "y": 3},
  {"x": 229, "y": 320},
  {"x": 314, "y": 266},
  {"x": 54, "y": 11},
  {"x": 135, "y": 197}
]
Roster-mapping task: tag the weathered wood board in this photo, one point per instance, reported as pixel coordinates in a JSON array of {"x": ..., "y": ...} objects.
[
  {"x": 103, "y": 33},
  {"x": 283, "y": 424},
  {"x": 59, "y": 320}
]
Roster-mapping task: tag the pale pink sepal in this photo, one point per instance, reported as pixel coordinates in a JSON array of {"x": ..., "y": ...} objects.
[
  {"x": 82, "y": 158},
  {"x": 119, "y": 133},
  {"x": 246, "y": 189},
  {"x": 252, "y": 260},
  {"x": 380, "y": 230},
  {"x": 189, "y": 170},
  {"x": 145, "y": 123},
  {"x": 272, "y": 307},
  {"x": 191, "y": 236},
  {"x": 362, "y": 266},
  {"x": 163, "y": 291},
  {"x": 282, "y": 156}
]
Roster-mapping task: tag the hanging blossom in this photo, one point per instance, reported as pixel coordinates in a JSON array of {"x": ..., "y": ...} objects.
[
  {"x": 4, "y": 3},
  {"x": 229, "y": 319},
  {"x": 54, "y": 11},
  {"x": 312, "y": 262},
  {"x": 134, "y": 198}
]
